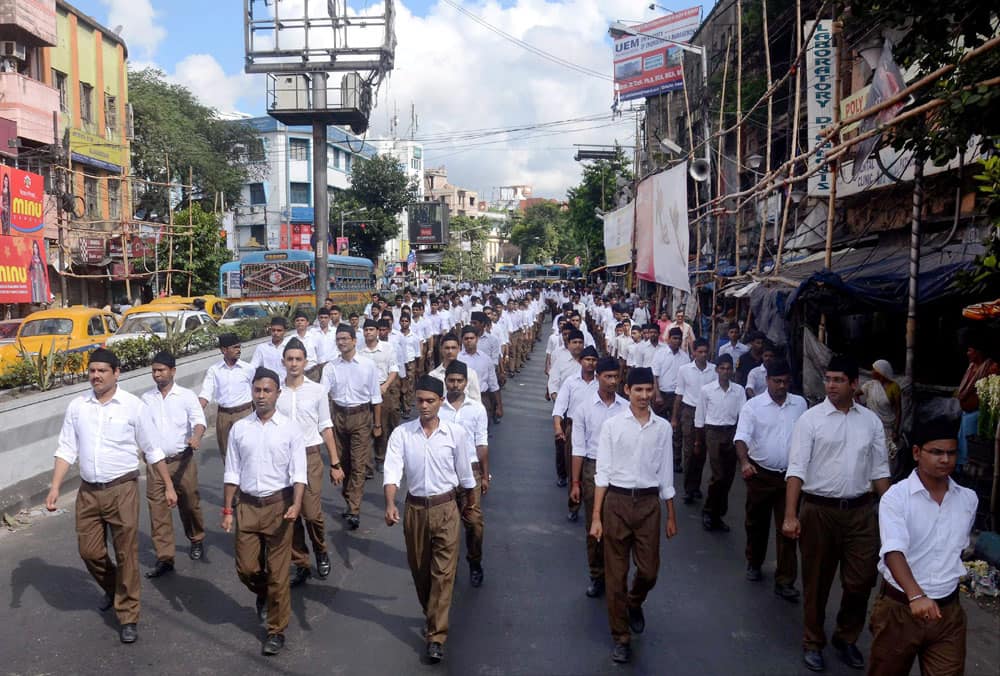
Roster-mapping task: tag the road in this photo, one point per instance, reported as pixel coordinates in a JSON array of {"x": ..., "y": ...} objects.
[{"x": 530, "y": 616}]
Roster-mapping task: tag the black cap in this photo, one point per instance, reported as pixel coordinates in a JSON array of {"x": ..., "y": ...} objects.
[
  {"x": 607, "y": 364},
  {"x": 777, "y": 368},
  {"x": 574, "y": 334},
  {"x": 279, "y": 321},
  {"x": 590, "y": 351},
  {"x": 164, "y": 357},
  {"x": 724, "y": 359},
  {"x": 459, "y": 367},
  {"x": 429, "y": 384},
  {"x": 262, "y": 372},
  {"x": 385, "y": 323},
  {"x": 479, "y": 317},
  {"x": 346, "y": 328},
  {"x": 105, "y": 356},
  {"x": 640, "y": 375},
  {"x": 469, "y": 328},
  {"x": 294, "y": 344},
  {"x": 370, "y": 324},
  {"x": 228, "y": 339}
]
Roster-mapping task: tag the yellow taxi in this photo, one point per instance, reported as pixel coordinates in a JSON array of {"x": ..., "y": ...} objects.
[
  {"x": 155, "y": 307},
  {"x": 214, "y": 305},
  {"x": 70, "y": 329}
]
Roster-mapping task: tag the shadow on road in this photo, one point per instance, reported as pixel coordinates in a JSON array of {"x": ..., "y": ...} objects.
[
  {"x": 61, "y": 587},
  {"x": 363, "y": 607}
]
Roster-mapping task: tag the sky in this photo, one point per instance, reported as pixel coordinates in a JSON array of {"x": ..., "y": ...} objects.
[{"x": 458, "y": 76}]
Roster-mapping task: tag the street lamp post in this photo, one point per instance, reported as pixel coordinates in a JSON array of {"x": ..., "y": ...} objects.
[{"x": 349, "y": 213}]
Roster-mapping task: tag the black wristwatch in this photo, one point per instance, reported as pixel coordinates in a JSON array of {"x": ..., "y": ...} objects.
[{"x": 337, "y": 466}]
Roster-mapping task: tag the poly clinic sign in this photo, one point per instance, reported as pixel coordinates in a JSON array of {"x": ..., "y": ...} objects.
[
  {"x": 646, "y": 64},
  {"x": 821, "y": 65}
]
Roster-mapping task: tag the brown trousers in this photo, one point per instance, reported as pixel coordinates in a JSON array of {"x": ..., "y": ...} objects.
[
  {"x": 471, "y": 506},
  {"x": 766, "y": 502},
  {"x": 389, "y": 421},
  {"x": 694, "y": 463},
  {"x": 833, "y": 537},
  {"x": 564, "y": 453},
  {"x": 184, "y": 474},
  {"x": 354, "y": 439},
  {"x": 406, "y": 392},
  {"x": 666, "y": 411},
  {"x": 432, "y": 545},
  {"x": 898, "y": 638},
  {"x": 595, "y": 549},
  {"x": 223, "y": 423},
  {"x": 631, "y": 530},
  {"x": 722, "y": 459},
  {"x": 262, "y": 534},
  {"x": 311, "y": 516},
  {"x": 115, "y": 508}
]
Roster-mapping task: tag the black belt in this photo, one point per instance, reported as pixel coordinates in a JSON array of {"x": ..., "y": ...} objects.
[
  {"x": 634, "y": 492},
  {"x": 186, "y": 453},
  {"x": 476, "y": 466},
  {"x": 586, "y": 460},
  {"x": 765, "y": 470},
  {"x": 721, "y": 428},
  {"x": 284, "y": 495},
  {"x": 235, "y": 409},
  {"x": 891, "y": 592},
  {"x": 840, "y": 503},
  {"x": 350, "y": 409},
  {"x": 312, "y": 450},
  {"x": 431, "y": 500},
  {"x": 96, "y": 486}
]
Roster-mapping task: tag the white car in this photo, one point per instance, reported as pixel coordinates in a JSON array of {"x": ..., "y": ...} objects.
[
  {"x": 251, "y": 310},
  {"x": 146, "y": 324}
]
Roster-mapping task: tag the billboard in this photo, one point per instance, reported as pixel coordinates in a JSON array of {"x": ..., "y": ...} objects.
[
  {"x": 661, "y": 228},
  {"x": 618, "y": 227},
  {"x": 428, "y": 223},
  {"x": 21, "y": 202},
  {"x": 644, "y": 64},
  {"x": 97, "y": 151},
  {"x": 821, "y": 66},
  {"x": 24, "y": 276}
]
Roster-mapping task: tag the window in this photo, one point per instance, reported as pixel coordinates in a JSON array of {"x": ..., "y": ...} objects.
[
  {"x": 415, "y": 164},
  {"x": 298, "y": 149},
  {"x": 472, "y": 201},
  {"x": 256, "y": 152},
  {"x": 114, "y": 199},
  {"x": 86, "y": 102},
  {"x": 257, "y": 195},
  {"x": 95, "y": 327},
  {"x": 92, "y": 206},
  {"x": 347, "y": 162},
  {"x": 299, "y": 193},
  {"x": 336, "y": 158},
  {"x": 111, "y": 115},
  {"x": 59, "y": 82}
]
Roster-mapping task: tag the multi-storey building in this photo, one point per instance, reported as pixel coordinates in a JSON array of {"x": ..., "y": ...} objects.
[
  {"x": 410, "y": 155},
  {"x": 460, "y": 201}
]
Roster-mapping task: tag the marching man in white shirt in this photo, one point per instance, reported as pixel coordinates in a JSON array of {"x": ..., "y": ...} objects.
[
  {"x": 924, "y": 522},
  {"x": 634, "y": 472},
  {"x": 305, "y": 403},
  {"x": 266, "y": 462},
  {"x": 228, "y": 384},
  {"x": 179, "y": 422},
  {"x": 472, "y": 416},
  {"x": 433, "y": 456},
  {"x": 104, "y": 429}
]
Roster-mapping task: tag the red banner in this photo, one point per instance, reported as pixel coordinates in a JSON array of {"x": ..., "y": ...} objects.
[
  {"x": 24, "y": 277},
  {"x": 21, "y": 197}
]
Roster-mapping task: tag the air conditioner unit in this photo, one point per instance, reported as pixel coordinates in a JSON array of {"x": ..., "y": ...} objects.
[
  {"x": 291, "y": 92},
  {"x": 13, "y": 50},
  {"x": 355, "y": 93}
]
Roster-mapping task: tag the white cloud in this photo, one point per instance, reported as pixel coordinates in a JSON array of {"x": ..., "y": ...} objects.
[
  {"x": 139, "y": 24},
  {"x": 207, "y": 80}
]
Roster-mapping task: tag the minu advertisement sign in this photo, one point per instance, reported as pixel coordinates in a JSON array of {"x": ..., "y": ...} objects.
[{"x": 24, "y": 274}]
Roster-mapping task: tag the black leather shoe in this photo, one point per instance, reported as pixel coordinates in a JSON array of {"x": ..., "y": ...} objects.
[
  {"x": 273, "y": 644},
  {"x": 849, "y": 654},
  {"x": 353, "y": 521},
  {"x": 197, "y": 551},
  {"x": 754, "y": 574},
  {"x": 128, "y": 633},
  {"x": 435, "y": 652},
  {"x": 813, "y": 660},
  {"x": 636, "y": 620},
  {"x": 299, "y": 577},
  {"x": 621, "y": 653},
  {"x": 561, "y": 482},
  {"x": 106, "y": 603},
  {"x": 496, "y": 420},
  {"x": 787, "y": 592},
  {"x": 346, "y": 513},
  {"x": 720, "y": 525},
  {"x": 573, "y": 516},
  {"x": 161, "y": 568},
  {"x": 262, "y": 609},
  {"x": 323, "y": 565},
  {"x": 476, "y": 574},
  {"x": 707, "y": 522},
  {"x": 379, "y": 468},
  {"x": 369, "y": 474},
  {"x": 596, "y": 587}
]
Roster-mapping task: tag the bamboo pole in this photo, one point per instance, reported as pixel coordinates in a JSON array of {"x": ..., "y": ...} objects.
[
  {"x": 795, "y": 134},
  {"x": 190, "y": 228},
  {"x": 718, "y": 165},
  {"x": 170, "y": 236},
  {"x": 767, "y": 142},
  {"x": 739, "y": 129}
]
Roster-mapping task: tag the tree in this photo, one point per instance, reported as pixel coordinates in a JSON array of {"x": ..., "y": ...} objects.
[
  {"x": 466, "y": 264},
  {"x": 585, "y": 229},
  {"x": 209, "y": 251},
  {"x": 381, "y": 188},
  {"x": 170, "y": 123},
  {"x": 537, "y": 233}
]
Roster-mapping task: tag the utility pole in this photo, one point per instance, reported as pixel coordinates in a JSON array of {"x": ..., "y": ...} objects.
[{"x": 321, "y": 203}]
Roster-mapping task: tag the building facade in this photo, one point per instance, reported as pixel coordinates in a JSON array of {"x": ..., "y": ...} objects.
[
  {"x": 410, "y": 155},
  {"x": 460, "y": 201}
]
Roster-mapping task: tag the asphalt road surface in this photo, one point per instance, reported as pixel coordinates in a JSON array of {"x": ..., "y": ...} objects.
[{"x": 530, "y": 616}]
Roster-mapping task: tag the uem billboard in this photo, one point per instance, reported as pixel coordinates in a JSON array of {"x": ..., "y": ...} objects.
[{"x": 646, "y": 64}]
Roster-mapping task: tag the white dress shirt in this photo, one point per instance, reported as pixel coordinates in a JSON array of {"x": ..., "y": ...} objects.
[
  {"x": 573, "y": 391},
  {"x": 838, "y": 455},
  {"x": 562, "y": 366},
  {"x": 929, "y": 535},
  {"x": 472, "y": 416},
  {"x": 666, "y": 364},
  {"x": 228, "y": 386},
  {"x": 472, "y": 390},
  {"x": 588, "y": 420},
  {"x": 174, "y": 417},
  {"x": 735, "y": 351},
  {"x": 766, "y": 428},
  {"x": 383, "y": 355},
  {"x": 717, "y": 406},
  {"x": 270, "y": 355},
  {"x": 352, "y": 383},
  {"x": 106, "y": 438},
  {"x": 630, "y": 455},
  {"x": 307, "y": 406},
  {"x": 484, "y": 367},
  {"x": 490, "y": 346},
  {"x": 647, "y": 353},
  {"x": 265, "y": 457},
  {"x": 326, "y": 344},
  {"x": 690, "y": 380},
  {"x": 432, "y": 465},
  {"x": 757, "y": 380}
]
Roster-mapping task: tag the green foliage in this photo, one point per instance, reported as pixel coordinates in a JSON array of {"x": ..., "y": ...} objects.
[
  {"x": 983, "y": 279},
  {"x": 585, "y": 231},
  {"x": 43, "y": 366},
  {"x": 382, "y": 188},
  {"x": 537, "y": 233},
  {"x": 169, "y": 121},
  {"x": 209, "y": 251},
  {"x": 18, "y": 373},
  {"x": 940, "y": 34},
  {"x": 467, "y": 264}
]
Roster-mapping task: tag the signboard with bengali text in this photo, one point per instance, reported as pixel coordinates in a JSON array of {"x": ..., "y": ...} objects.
[{"x": 24, "y": 276}]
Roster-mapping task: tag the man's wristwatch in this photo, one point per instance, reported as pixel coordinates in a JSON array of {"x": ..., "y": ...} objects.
[{"x": 335, "y": 466}]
